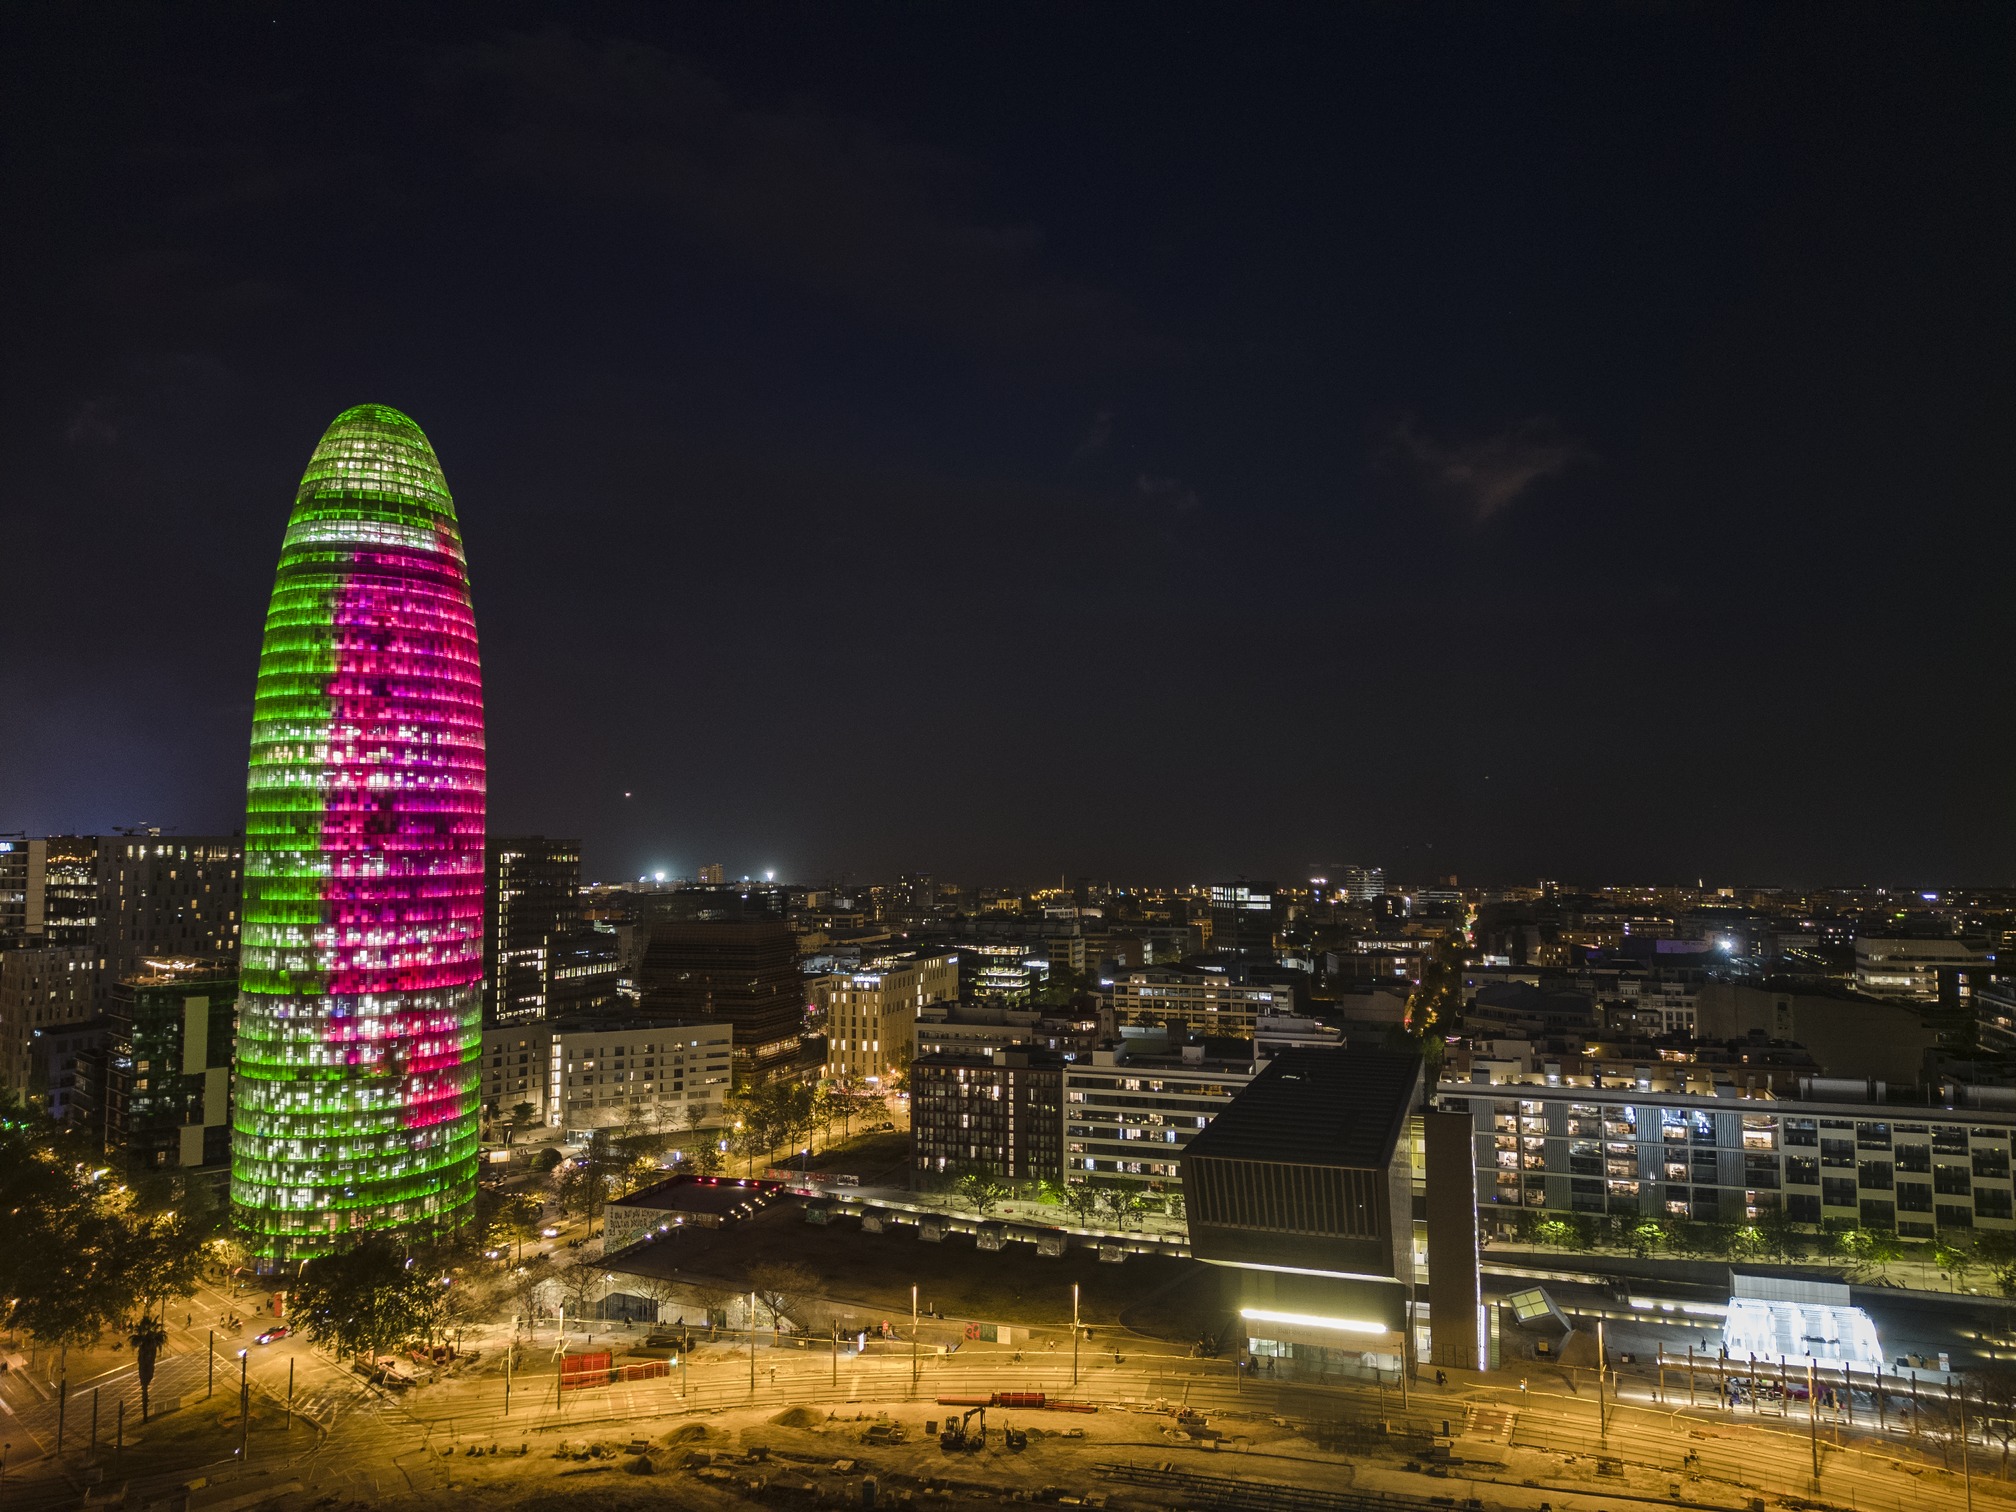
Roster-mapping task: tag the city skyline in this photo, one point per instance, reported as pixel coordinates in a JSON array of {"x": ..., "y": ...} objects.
[{"x": 1346, "y": 459}]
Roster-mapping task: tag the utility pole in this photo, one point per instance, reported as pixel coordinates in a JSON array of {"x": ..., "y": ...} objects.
[
  {"x": 1690, "y": 1375},
  {"x": 94, "y": 1422},
  {"x": 913, "y": 1338},
  {"x": 510, "y": 1349},
  {"x": 119, "y": 1441},
  {"x": 1074, "y": 1333},
  {"x": 836, "y": 1351},
  {"x": 210, "y": 1369},
  {"x": 290, "y": 1386},
  {"x": 244, "y": 1404},
  {"x": 1966, "y": 1460},
  {"x": 62, "y": 1410},
  {"x": 752, "y": 1345}
]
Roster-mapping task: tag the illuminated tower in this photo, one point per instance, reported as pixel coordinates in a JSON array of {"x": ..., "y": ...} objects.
[{"x": 360, "y": 989}]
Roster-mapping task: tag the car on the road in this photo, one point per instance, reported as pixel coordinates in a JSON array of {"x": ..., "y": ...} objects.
[
  {"x": 274, "y": 1334},
  {"x": 549, "y": 1233}
]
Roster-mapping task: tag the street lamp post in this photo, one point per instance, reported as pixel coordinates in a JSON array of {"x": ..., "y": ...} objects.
[
  {"x": 752, "y": 1345},
  {"x": 1074, "y": 1333},
  {"x": 244, "y": 1403},
  {"x": 913, "y": 1338},
  {"x": 1813, "y": 1420}
]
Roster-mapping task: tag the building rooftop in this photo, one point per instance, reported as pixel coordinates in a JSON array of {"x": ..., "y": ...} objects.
[{"x": 1319, "y": 1107}]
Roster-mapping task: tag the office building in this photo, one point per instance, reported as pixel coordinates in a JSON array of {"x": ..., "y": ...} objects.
[
  {"x": 360, "y": 1001},
  {"x": 167, "y": 1080},
  {"x": 1245, "y": 918},
  {"x": 1302, "y": 1191},
  {"x": 741, "y": 972},
  {"x": 871, "y": 1013},
  {"x": 587, "y": 973},
  {"x": 999, "y": 1113},
  {"x": 1206, "y": 1004},
  {"x": 531, "y": 903},
  {"x": 1908, "y": 969},
  {"x": 1133, "y": 1106},
  {"x": 1360, "y": 884}
]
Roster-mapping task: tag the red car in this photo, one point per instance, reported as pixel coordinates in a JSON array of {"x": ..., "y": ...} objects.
[{"x": 278, "y": 1331}]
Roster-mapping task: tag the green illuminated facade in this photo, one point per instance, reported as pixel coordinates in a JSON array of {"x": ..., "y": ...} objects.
[{"x": 362, "y": 941}]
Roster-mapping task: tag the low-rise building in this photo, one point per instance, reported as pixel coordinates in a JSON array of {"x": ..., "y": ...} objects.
[{"x": 700, "y": 1201}]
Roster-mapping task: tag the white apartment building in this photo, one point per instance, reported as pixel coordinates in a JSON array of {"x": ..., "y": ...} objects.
[
  {"x": 607, "y": 1073},
  {"x": 1202, "y": 1002},
  {"x": 1128, "y": 1114},
  {"x": 1909, "y": 969},
  {"x": 871, "y": 1014}
]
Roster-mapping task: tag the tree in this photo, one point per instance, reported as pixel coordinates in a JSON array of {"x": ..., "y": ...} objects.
[
  {"x": 1119, "y": 1200},
  {"x": 1644, "y": 1237},
  {"x": 1996, "y": 1249},
  {"x": 523, "y": 1116},
  {"x": 712, "y": 1298},
  {"x": 1175, "y": 1205},
  {"x": 1082, "y": 1199},
  {"x": 1955, "y": 1256},
  {"x": 785, "y": 1288},
  {"x": 707, "y": 1158},
  {"x": 980, "y": 1191},
  {"x": 522, "y": 1217},
  {"x": 148, "y": 1338},
  {"x": 660, "y": 1291},
  {"x": 367, "y": 1300},
  {"x": 525, "y": 1285},
  {"x": 581, "y": 1281},
  {"x": 1435, "y": 1006}
]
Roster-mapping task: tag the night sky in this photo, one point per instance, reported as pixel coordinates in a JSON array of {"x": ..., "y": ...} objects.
[{"x": 1011, "y": 441}]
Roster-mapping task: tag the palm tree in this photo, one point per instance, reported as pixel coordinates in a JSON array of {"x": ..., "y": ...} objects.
[{"x": 148, "y": 1338}]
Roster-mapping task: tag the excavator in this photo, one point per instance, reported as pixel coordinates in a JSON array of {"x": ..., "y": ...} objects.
[{"x": 960, "y": 1438}]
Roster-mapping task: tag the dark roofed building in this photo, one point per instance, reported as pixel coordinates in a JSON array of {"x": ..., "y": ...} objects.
[{"x": 1303, "y": 1189}]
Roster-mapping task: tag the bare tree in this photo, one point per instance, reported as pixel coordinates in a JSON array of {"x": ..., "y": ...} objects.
[{"x": 786, "y": 1289}]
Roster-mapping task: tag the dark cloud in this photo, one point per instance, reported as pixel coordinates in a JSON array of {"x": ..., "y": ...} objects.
[
  {"x": 91, "y": 425},
  {"x": 1170, "y": 490},
  {"x": 1096, "y": 437},
  {"x": 832, "y": 203},
  {"x": 1481, "y": 478}
]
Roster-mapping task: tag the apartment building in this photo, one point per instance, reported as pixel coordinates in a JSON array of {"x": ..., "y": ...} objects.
[
  {"x": 1129, "y": 1111},
  {"x": 1843, "y": 1151},
  {"x": 999, "y": 1112},
  {"x": 871, "y": 1013},
  {"x": 1202, "y": 1002},
  {"x": 1908, "y": 969},
  {"x": 648, "y": 1073}
]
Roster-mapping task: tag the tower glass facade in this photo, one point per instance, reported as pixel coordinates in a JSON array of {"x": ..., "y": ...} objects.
[{"x": 362, "y": 939}]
